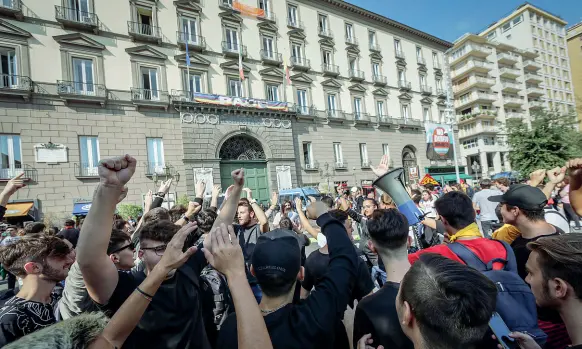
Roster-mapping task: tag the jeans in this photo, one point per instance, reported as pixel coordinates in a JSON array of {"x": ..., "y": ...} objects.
[{"x": 487, "y": 227}]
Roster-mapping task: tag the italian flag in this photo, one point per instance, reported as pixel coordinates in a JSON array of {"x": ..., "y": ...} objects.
[{"x": 241, "y": 72}]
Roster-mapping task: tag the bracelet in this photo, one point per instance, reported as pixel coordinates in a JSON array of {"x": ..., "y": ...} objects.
[
  {"x": 145, "y": 295},
  {"x": 185, "y": 218},
  {"x": 253, "y": 201},
  {"x": 160, "y": 194}
]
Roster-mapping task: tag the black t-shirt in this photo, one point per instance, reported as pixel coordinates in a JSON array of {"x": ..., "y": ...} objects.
[
  {"x": 376, "y": 314},
  {"x": 316, "y": 267},
  {"x": 71, "y": 234},
  {"x": 174, "y": 317},
  {"x": 248, "y": 241},
  {"x": 19, "y": 317}
]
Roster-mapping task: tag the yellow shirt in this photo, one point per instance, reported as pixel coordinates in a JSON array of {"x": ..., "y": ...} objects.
[{"x": 507, "y": 233}]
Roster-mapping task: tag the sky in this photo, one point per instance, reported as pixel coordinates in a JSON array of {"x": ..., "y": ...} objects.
[{"x": 450, "y": 19}]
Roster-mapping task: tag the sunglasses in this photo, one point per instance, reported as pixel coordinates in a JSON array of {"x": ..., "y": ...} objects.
[
  {"x": 159, "y": 250},
  {"x": 131, "y": 246}
]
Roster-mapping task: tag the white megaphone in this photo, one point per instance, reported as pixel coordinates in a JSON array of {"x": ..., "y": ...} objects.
[{"x": 393, "y": 184}]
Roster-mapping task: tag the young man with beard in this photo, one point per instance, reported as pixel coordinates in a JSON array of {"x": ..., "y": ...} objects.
[
  {"x": 555, "y": 275},
  {"x": 41, "y": 261},
  {"x": 174, "y": 317}
]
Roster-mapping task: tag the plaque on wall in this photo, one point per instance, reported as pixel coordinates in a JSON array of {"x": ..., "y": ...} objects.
[
  {"x": 284, "y": 177},
  {"x": 205, "y": 174},
  {"x": 50, "y": 153}
]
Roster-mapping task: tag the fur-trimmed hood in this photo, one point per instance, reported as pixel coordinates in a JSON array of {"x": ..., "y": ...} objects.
[{"x": 74, "y": 333}]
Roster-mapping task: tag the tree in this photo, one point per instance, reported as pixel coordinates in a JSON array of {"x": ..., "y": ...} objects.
[
  {"x": 129, "y": 210},
  {"x": 550, "y": 140},
  {"x": 183, "y": 200}
]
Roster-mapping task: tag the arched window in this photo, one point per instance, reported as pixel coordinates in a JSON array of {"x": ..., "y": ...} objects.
[{"x": 242, "y": 147}]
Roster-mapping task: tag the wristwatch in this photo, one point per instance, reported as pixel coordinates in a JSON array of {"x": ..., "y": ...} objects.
[
  {"x": 160, "y": 194},
  {"x": 253, "y": 201},
  {"x": 184, "y": 217}
]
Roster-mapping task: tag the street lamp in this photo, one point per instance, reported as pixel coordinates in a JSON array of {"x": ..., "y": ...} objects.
[{"x": 476, "y": 168}]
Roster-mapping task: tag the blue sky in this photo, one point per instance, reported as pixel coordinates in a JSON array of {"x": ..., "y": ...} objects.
[{"x": 449, "y": 19}]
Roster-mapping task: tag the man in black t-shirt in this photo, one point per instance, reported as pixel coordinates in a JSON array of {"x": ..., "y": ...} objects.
[
  {"x": 276, "y": 263},
  {"x": 69, "y": 232},
  {"x": 376, "y": 314}
]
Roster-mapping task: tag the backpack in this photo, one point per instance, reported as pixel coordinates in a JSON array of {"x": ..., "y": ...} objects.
[
  {"x": 216, "y": 295},
  {"x": 515, "y": 302}
]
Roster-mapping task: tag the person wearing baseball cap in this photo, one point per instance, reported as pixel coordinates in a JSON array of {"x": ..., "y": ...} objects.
[
  {"x": 276, "y": 264},
  {"x": 523, "y": 207}
]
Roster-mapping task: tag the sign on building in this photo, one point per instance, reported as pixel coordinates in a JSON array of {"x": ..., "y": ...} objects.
[
  {"x": 413, "y": 173},
  {"x": 205, "y": 174},
  {"x": 50, "y": 153},
  {"x": 439, "y": 141},
  {"x": 284, "y": 177}
]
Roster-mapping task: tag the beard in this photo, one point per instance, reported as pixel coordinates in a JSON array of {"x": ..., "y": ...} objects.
[{"x": 53, "y": 274}]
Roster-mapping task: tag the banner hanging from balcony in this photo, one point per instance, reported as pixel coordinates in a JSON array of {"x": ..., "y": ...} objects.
[
  {"x": 439, "y": 142},
  {"x": 248, "y": 10},
  {"x": 240, "y": 102}
]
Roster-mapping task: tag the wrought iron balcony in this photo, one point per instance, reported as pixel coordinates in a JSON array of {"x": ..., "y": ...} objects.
[
  {"x": 271, "y": 57},
  {"x": 145, "y": 32},
  {"x": 81, "y": 91},
  {"x": 182, "y": 96},
  {"x": 15, "y": 85},
  {"x": 194, "y": 42},
  {"x": 267, "y": 16},
  {"x": 409, "y": 122},
  {"x": 7, "y": 174},
  {"x": 365, "y": 163},
  {"x": 335, "y": 115},
  {"x": 351, "y": 40},
  {"x": 227, "y": 5},
  {"x": 420, "y": 60},
  {"x": 86, "y": 170},
  {"x": 11, "y": 8},
  {"x": 374, "y": 47},
  {"x": 361, "y": 118},
  {"x": 380, "y": 80},
  {"x": 356, "y": 75},
  {"x": 404, "y": 85},
  {"x": 425, "y": 90},
  {"x": 75, "y": 18},
  {"x": 311, "y": 166},
  {"x": 295, "y": 24},
  {"x": 341, "y": 165},
  {"x": 326, "y": 33},
  {"x": 300, "y": 63},
  {"x": 149, "y": 97},
  {"x": 305, "y": 112},
  {"x": 158, "y": 168},
  {"x": 330, "y": 69},
  {"x": 399, "y": 54},
  {"x": 385, "y": 120},
  {"x": 440, "y": 92},
  {"x": 437, "y": 65},
  {"x": 233, "y": 49}
]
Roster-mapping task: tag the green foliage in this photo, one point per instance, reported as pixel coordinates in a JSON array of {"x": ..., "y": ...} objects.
[
  {"x": 549, "y": 142},
  {"x": 129, "y": 210},
  {"x": 183, "y": 200}
]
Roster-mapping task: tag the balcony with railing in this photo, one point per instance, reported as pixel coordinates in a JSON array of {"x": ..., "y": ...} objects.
[
  {"x": 361, "y": 118},
  {"x": 476, "y": 114},
  {"x": 408, "y": 122},
  {"x": 425, "y": 90},
  {"x": 15, "y": 85},
  {"x": 536, "y": 104},
  {"x": 472, "y": 49},
  {"x": 86, "y": 170},
  {"x": 330, "y": 69},
  {"x": 325, "y": 33},
  {"x": 533, "y": 78},
  {"x": 334, "y": 115},
  {"x": 82, "y": 91},
  {"x": 305, "y": 112},
  {"x": 404, "y": 85},
  {"x": 295, "y": 24},
  {"x": 365, "y": 163},
  {"x": 231, "y": 49},
  {"x": 399, "y": 54},
  {"x": 530, "y": 64},
  {"x": 356, "y": 75},
  {"x": 30, "y": 173},
  {"x": 194, "y": 42},
  {"x": 267, "y": 16},
  {"x": 311, "y": 166},
  {"x": 75, "y": 18},
  {"x": 507, "y": 58},
  {"x": 155, "y": 168},
  {"x": 300, "y": 63},
  {"x": 420, "y": 60},
  {"x": 351, "y": 40},
  {"x": 509, "y": 73},
  {"x": 144, "y": 32},
  {"x": 474, "y": 81},
  {"x": 534, "y": 91},
  {"x": 514, "y": 115},
  {"x": 374, "y": 47},
  {"x": 474, "y": 97},
  {"x": 511, "y": 102},
  {"x": 11, "y": 8},
  {"x": 441, "y": 92},
  {"x": 271, "y": 57},
  {"x": 380, "y": 80},
  {"x": 477, "y": 130},
  {"x": 340, "y": 165},
  {"x": 227, "y": 5},
  {"x": 437, "y": 66},
  {"x": 182, "y": 97},
  {"x": 150, "y": 98},
  {"x": 472, "y": 65},
  {"x": 510, "y": 86}
]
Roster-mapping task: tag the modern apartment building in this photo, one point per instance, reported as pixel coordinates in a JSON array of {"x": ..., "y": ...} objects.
[
  {"x": 531, "y": 28},
  {"x": 574, "y": 38},
  {"x": 84, "y": 80},
  {"x": 492, "y": 82}
]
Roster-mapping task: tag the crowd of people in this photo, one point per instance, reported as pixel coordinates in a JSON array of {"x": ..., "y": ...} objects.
[{"x": 237, "y": 275}]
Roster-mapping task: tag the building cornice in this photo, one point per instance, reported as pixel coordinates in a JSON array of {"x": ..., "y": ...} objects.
[{"x": 387, "y": 21}]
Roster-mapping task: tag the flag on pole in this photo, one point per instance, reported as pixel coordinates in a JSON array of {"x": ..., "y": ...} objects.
[
  {"x": 287, "y": 74},
  {"x": 241, "y": 72},
  {"x": 187, "y": 54}
]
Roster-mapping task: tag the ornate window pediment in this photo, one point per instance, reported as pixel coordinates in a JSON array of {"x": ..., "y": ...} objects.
[
  {"x": 405, "y": 96},
  {"x": 426, "y": 100},
  {"x": 302, "y": 77},
  {"x": 146, "y": 51},
  {"x": 357, "y": 88},
  {"x": 380, "y": 92},
  {"x": 194, "y": 59},
  {"x": 78, "y": 39},
  {"x": 331, "y": 83},
  {"x": 233, "y": 65}
]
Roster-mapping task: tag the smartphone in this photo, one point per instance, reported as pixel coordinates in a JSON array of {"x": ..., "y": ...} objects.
[{"x": 501, "y": 331}]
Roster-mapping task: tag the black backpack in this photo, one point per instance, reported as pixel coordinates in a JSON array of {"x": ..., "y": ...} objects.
[
  {"x": 216, "y": 295},
  {"x": 515, "y": 302}
]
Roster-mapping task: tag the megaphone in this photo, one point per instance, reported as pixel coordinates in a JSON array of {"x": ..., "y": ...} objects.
[{"x": 393, "y": 184}]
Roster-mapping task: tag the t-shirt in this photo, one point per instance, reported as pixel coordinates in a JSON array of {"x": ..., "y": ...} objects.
[
  {"x": 486, "y": 207},
  {"x": 522, "y": 253},
  {"x": 316, "y": 267},
  {"x": 174, "y": 317},
  {"x": 315, "y": 322},
  {"x": 19, "y": 317},
  {"x": 485, "y": 249},
  {"x": 376, "y": 314},
  {"x": 76, "y": 299},
  {"x": 247, "y": 238},
  {"x": 70, "y": 234}
]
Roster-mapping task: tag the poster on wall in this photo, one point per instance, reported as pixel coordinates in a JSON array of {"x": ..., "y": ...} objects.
[
  {"x": 439, "y": 142},
  {"x": 240, "y": 102},
  {"x": 413, "y": 173},
  {"x": 205, "y": 174}
]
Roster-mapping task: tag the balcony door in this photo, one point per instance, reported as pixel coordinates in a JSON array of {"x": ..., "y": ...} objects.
[
  {"x": 190, "y": 30},
  {"x": 145, "y": 20},
  {"x": 268, "y": 49},
  {"x": 358, "y": 108},
  {"x": 231, "y": 35},
  {"x": 149, "y": 83},
  {"x": 83, "y": 76},
  {"x": 89, "y": 155},
  {"x": 302, "y": 102},
  {"x": 9, "y": 68},
  {"x": 79, "y": 11},
  {"x": 297, "y": 51}
]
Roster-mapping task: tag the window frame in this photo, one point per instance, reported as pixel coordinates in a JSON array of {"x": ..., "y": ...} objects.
[
  {"x": 89, "y": 155},
  {"x": 337, "y": 150},
  {"x": 277, "y": 86},
  {"x": 11, "y": 170}
]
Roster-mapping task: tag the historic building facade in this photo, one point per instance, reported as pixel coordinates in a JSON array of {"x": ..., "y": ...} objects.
[{"x": 195, "y": 89}]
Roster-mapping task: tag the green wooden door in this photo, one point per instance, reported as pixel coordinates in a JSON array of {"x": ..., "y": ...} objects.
[{"x": 255, "y": 177}]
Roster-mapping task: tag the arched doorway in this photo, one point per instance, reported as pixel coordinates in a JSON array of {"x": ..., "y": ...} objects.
[
  {"x": 246, "y": 152},
  {"x": 408, "y": 161}
]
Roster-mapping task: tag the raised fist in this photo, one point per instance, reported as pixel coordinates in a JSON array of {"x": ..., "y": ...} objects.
[
  {"x": 116, "y": 172},
  {"x": 238, "y": 176}
]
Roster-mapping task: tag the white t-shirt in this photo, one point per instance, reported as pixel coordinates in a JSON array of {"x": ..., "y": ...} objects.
[{"x": 556, "y": 219}]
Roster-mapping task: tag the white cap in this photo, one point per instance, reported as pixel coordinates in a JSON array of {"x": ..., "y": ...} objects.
[{"x": 354, "y": 189}]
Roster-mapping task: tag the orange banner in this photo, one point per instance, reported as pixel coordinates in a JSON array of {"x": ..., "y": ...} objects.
[
  {"x": 427, "y": 179},
  {"x": 248, "y": 10}
]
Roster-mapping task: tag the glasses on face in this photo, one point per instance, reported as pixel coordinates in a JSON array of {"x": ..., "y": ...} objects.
[
  {"x": 158, "y": 250},
  {"x": 131, "y": 246}
]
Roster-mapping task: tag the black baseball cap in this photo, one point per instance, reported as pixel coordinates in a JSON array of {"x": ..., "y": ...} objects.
[
  {"x": 277, "y": 252},
  {"x": 523, "y": 196}
]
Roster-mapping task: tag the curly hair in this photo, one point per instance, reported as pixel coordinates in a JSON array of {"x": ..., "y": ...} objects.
[
  {"x": 35, "y": 248},
  {"x": 176, "y": 212},
  {"x": 155, "y": 215},
  {"x": 161, "y": 231}
]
